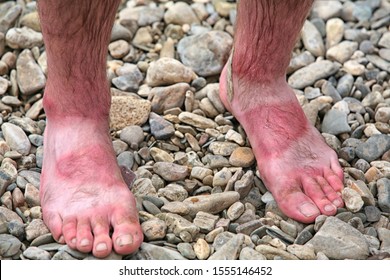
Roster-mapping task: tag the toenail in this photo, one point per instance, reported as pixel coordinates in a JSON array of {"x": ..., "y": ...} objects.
[
  {"x": 309, "y": 209},
  {"x": 73, "y": 241},
  {"x": 84, "y": 242},
  {"x": 337, "y": 202},
  {"x": 61, "y": 239},
  {"x": 101, "y": 247},
  {"x": 329, "y": 208},
  {"x": 124, "y": 240}
]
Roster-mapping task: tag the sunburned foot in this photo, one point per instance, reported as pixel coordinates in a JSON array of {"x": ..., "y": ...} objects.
[
  {"x": 294, "y": 162},
  {"x": 86, "y": 204}
]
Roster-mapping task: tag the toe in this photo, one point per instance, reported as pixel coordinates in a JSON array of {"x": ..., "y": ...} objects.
[
  {"x": 127, "y": 236},
  {"x": 69, "y": 229},
  {"x": 334, "y": 179},
  {"x": 317, "y": 193},
  {"x": 84, "y": 235},
  {"x": 102, "y": 244},
  {"x": 54, "y": 223},
  {"x": 330, "y": 193},
  {"x": 336, "y": 168}
]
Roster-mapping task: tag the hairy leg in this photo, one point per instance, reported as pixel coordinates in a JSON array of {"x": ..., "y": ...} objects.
[
  {"x": 83, "y": 195},
  {"x": 296, "y": 165}
]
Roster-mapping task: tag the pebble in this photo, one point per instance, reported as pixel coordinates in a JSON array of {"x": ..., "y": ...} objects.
[
  {"x": 23, "y": 38},
  {"x": 384, "y": 237},
  {"x": 165, "y": 98},
  {"x": 154, "y": 229},
  {"x": 303, "y": 252},
  {"x": 160, "y": 128},
  {"x": 129, "y": 82},
  {"x": 373, "y": 148},
  {"x": 173, "y": 192},
  {"x": 205, "y": 221},
  {"x": 9, "y": 245},
  {"x": 186, "y": 250},
  {"x": 271, "y": 252},
  {"x": 223, "y": 148},
  {"x": 235, "y": 210},
  {"x": 222, "y": 177},
  {"x": 334, "y": 31},
  {"x": 354, "y": 68},
  {"x": 176, "y": 207},
  {"x": 383, "y": 115},
  {"x": 143, "y": 15},
  {"x": 372, "y": 213},
  {"x": 35, "y": 228},
  {"x": 170, "y": 171},
  {"x": 31, "y": 195},
  {"x": 308, "y": 75},
  {"x": 335, "y": 122},
  {"x": 205, "y": 53},
  {"x": 242, "y": 157},
  {"x": 196, "y": 120},
  {"x": 181, "y": 227},
  {"x": 312, "y": 39},
  {"x": 35, "y": 253},
  {"x": 160, "y": 155},
  {"x": 361, "y": 188},
  {"x": 180, "y": 13},
  {"x": 336, "y": 234},
  {"x": 16, "y": 138},
  {"x": 127, "y": 111},
  {"x": 202, "y": 249},
  {"x": 373, "y": 99},
  {"x": 248, "y": 253},
  {"x": 29, "y": 75},
  {"x": 352, "y": 199},
  {"x": 326, "y": 9},
  {"x": 132, "y": 135},
  {"x": 342, "y": 51},
  {"x": 168, "y": 71},
  {"x": 152, "y": 252},
  {"x": 383, "y": 186},
  {"x": 230, "y": 250}
]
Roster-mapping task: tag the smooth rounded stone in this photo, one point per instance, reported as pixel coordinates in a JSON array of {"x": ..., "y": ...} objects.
[
  {"x": 344, "y": 85},
  {"x": 373, "y": 214},
  {"x": 312, "y": 39},
  {"x": 242, "y": 157},
  {"x": 16, "y": 138},
  {"x": 354, "y": 68},
  {"x": 180, "y": 13},
  {"x": 373, "y": 174},
  {"x": 31, "y": 195},
  {"x": 50, "y": 246},
  {"x": 168, "y": 71},
  {"x": 30, "y": 77},
  {"x": 130, "y": 81},
  {"x": 373, "y": 99},
  {"x": 160, "y": 155},
  {"x": 11, "y": 100},
  {"x": 180, "y": 226},
  {"x": 373, "y": 148},
  {"x": 329, "y": 90},
  {"x": 271, "y": 252},
  {"x": 205, "y": 53},
  {"x": 160, "y": 128},
  {"x": 176, "y": 207},
  {"x": 335, "y": 122},
  {"x": 245, "y": 184},
  {"x": 43, "y": 239},
  {"x": 383, "y": 115},
  {"x": 362, "y": 165},
  {"x": 385, "y": 40},
  {"x": 213, "y": 203},
  {"x": 334, "y": 31},
  {"x": 383, "y": 186},
  {"x": 248, "y": 253},
  {"x": 339, "y": 240},
  {"x": 342, "y": 51},
  {"x": 326, "y": 9},
  {"x": 9, "y": 14},
  {"x": 35, "y": 253},
  {"x": 230, "y": 250},
  {"x": 62, "y": 255},
  {"x": 132, "y": 135},
  {"x": 128, "y": 111},
  {"x": 36, "y": 140},
  {"x": 212, "y": 93},
  {"x": 332, "y": 141},
  {"x": 222, "y": 177},
  {"x": 119, "y": 32},
  {"x": 303, "y": 252},
  {"x": 10, "y": 215},
  {"x": 154, "y": 229},
  {"x": 379, "y": 62},
  {"x": 361, "y": 188},
  {"x": 173, "y": 192},
  {"x": 234, "y": 136},
  {"x": 9, "y": 245},
  {"x": 151, "y": 207},
  {"x": 215, "y": 161},
  {"x": 235, "y": 211},
  {"x": 142, "y": 37},
  {"x": 202, "y": 249},
  {"x": 153, "y": 252},
  {"x": 165, "y": 98},
  {"x": 186, "y": 250},
  {"x": 171, "y": 171},
  {"x": 385, "y": 54},
  {"x": 309, "y": 74},
  {"x": 119, "y": 146},
  {"x": 347, "y": 153},
  {"x": 352, "y": 200},
  {"x": 200, "y": 173},
  {"x": 3, "y": 85},
  {"x": 126, "y": 159},
  {"x": 289, "y": 228},
  {"x": 118, "y": 49},
  {"x": 23, "y": 38},
  {"x": 35, "y": 228},
  {"x": 223, "y": 148},
  {"x": 196, "y": 120},
  {"x": 143, "y": 15},
  {"x": 205, "y": 221}
]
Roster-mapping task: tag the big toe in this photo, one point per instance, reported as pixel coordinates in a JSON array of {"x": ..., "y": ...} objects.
[{"x": 127, "y": 236}]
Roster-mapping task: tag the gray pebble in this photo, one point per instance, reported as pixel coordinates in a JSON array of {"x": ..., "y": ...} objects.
[
  {"x": 186, "y": 250},
  {"x": 383, "y": 186},
  {"x": 35, "y": 253},
  {"x": 373, "y": 148},
  {"x": 9, "y": 245},
  {"x": 335, "y": 122},
  {"x": 159, "y": 127},
  {"x": 373, "y": 214}
]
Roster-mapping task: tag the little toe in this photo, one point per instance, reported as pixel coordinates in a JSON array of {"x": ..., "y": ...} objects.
[
  {"x": 315, "y": 191},
  {"x": 54, "y": 223},
  {"x": 330, "y": 193},
  {"x": 102, "y": 244},
  {"x": 333, "y": 179},
  {"x": 84, "y": 235},
  {"x": 69, "y": 230},
  {"x": 127, "y": 236}
]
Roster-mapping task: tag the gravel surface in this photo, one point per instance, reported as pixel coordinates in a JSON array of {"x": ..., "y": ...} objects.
[{"x": 197, "y": 187}]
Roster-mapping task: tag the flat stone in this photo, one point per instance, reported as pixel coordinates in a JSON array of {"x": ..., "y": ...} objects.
[
  {"x": 29, "y": 75},
  {"x": 361, "y": 188},
  {"x": 35, "y": 228},
  {"x": 176, "y": 207},
  {"x": 35, "y": 253},
  {"x": 129, "y": 82},
  {"x": 312, "y": 39},
  {"x": 9, "y": 245},
  {"x": 196, "y": 120},
  {"x": 143, "y": 15},
  {"x": 326, "y": 9},
  {"x": 159, "y": 127},
  {"x": 23, "y": 38},
  {"x": 222, "y": 177},
  {"x": 339, "y": 240},
  {"x": 205, "y": 221},
  {"x": 235, "y": 210},
  {"x": 153, "y": 252},
  {"x": 373, "y": 214},
  {"x": 373, "y": 148},
  {"x": 223, "y": 148},
  {"x": 342, "y": 51},
  {"x": 173, "y": 192},
  {"x": 373, "y": 99},
  {"x": 335, "y": 122},
  {"x": 379, "y": 62},
  {"x": 31, "y": 195},
  {"x": 180, "y": 226},
  {"x": 165, "y": 98},
  {"x": 205, "y": 53},
  {"x": 16, "y": 138},
  {"x": 127, "y": 111},
  {"x": 170, "y": 171},
  {"x": 299, "y": 61},
  {"x": 160, "y": 155}
]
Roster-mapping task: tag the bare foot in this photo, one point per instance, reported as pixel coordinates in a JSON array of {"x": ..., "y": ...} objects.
[
  {"x": 294, "y": 162},
  {"x": 83, "y": 195}
]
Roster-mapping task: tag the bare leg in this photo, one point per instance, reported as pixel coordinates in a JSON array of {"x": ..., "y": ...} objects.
[
  {"x": 300, "y": 170},
  {"x": 83, "y": 194}
]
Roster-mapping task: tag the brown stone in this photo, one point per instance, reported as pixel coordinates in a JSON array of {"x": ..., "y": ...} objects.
[{"x": 242, "y": 157}]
